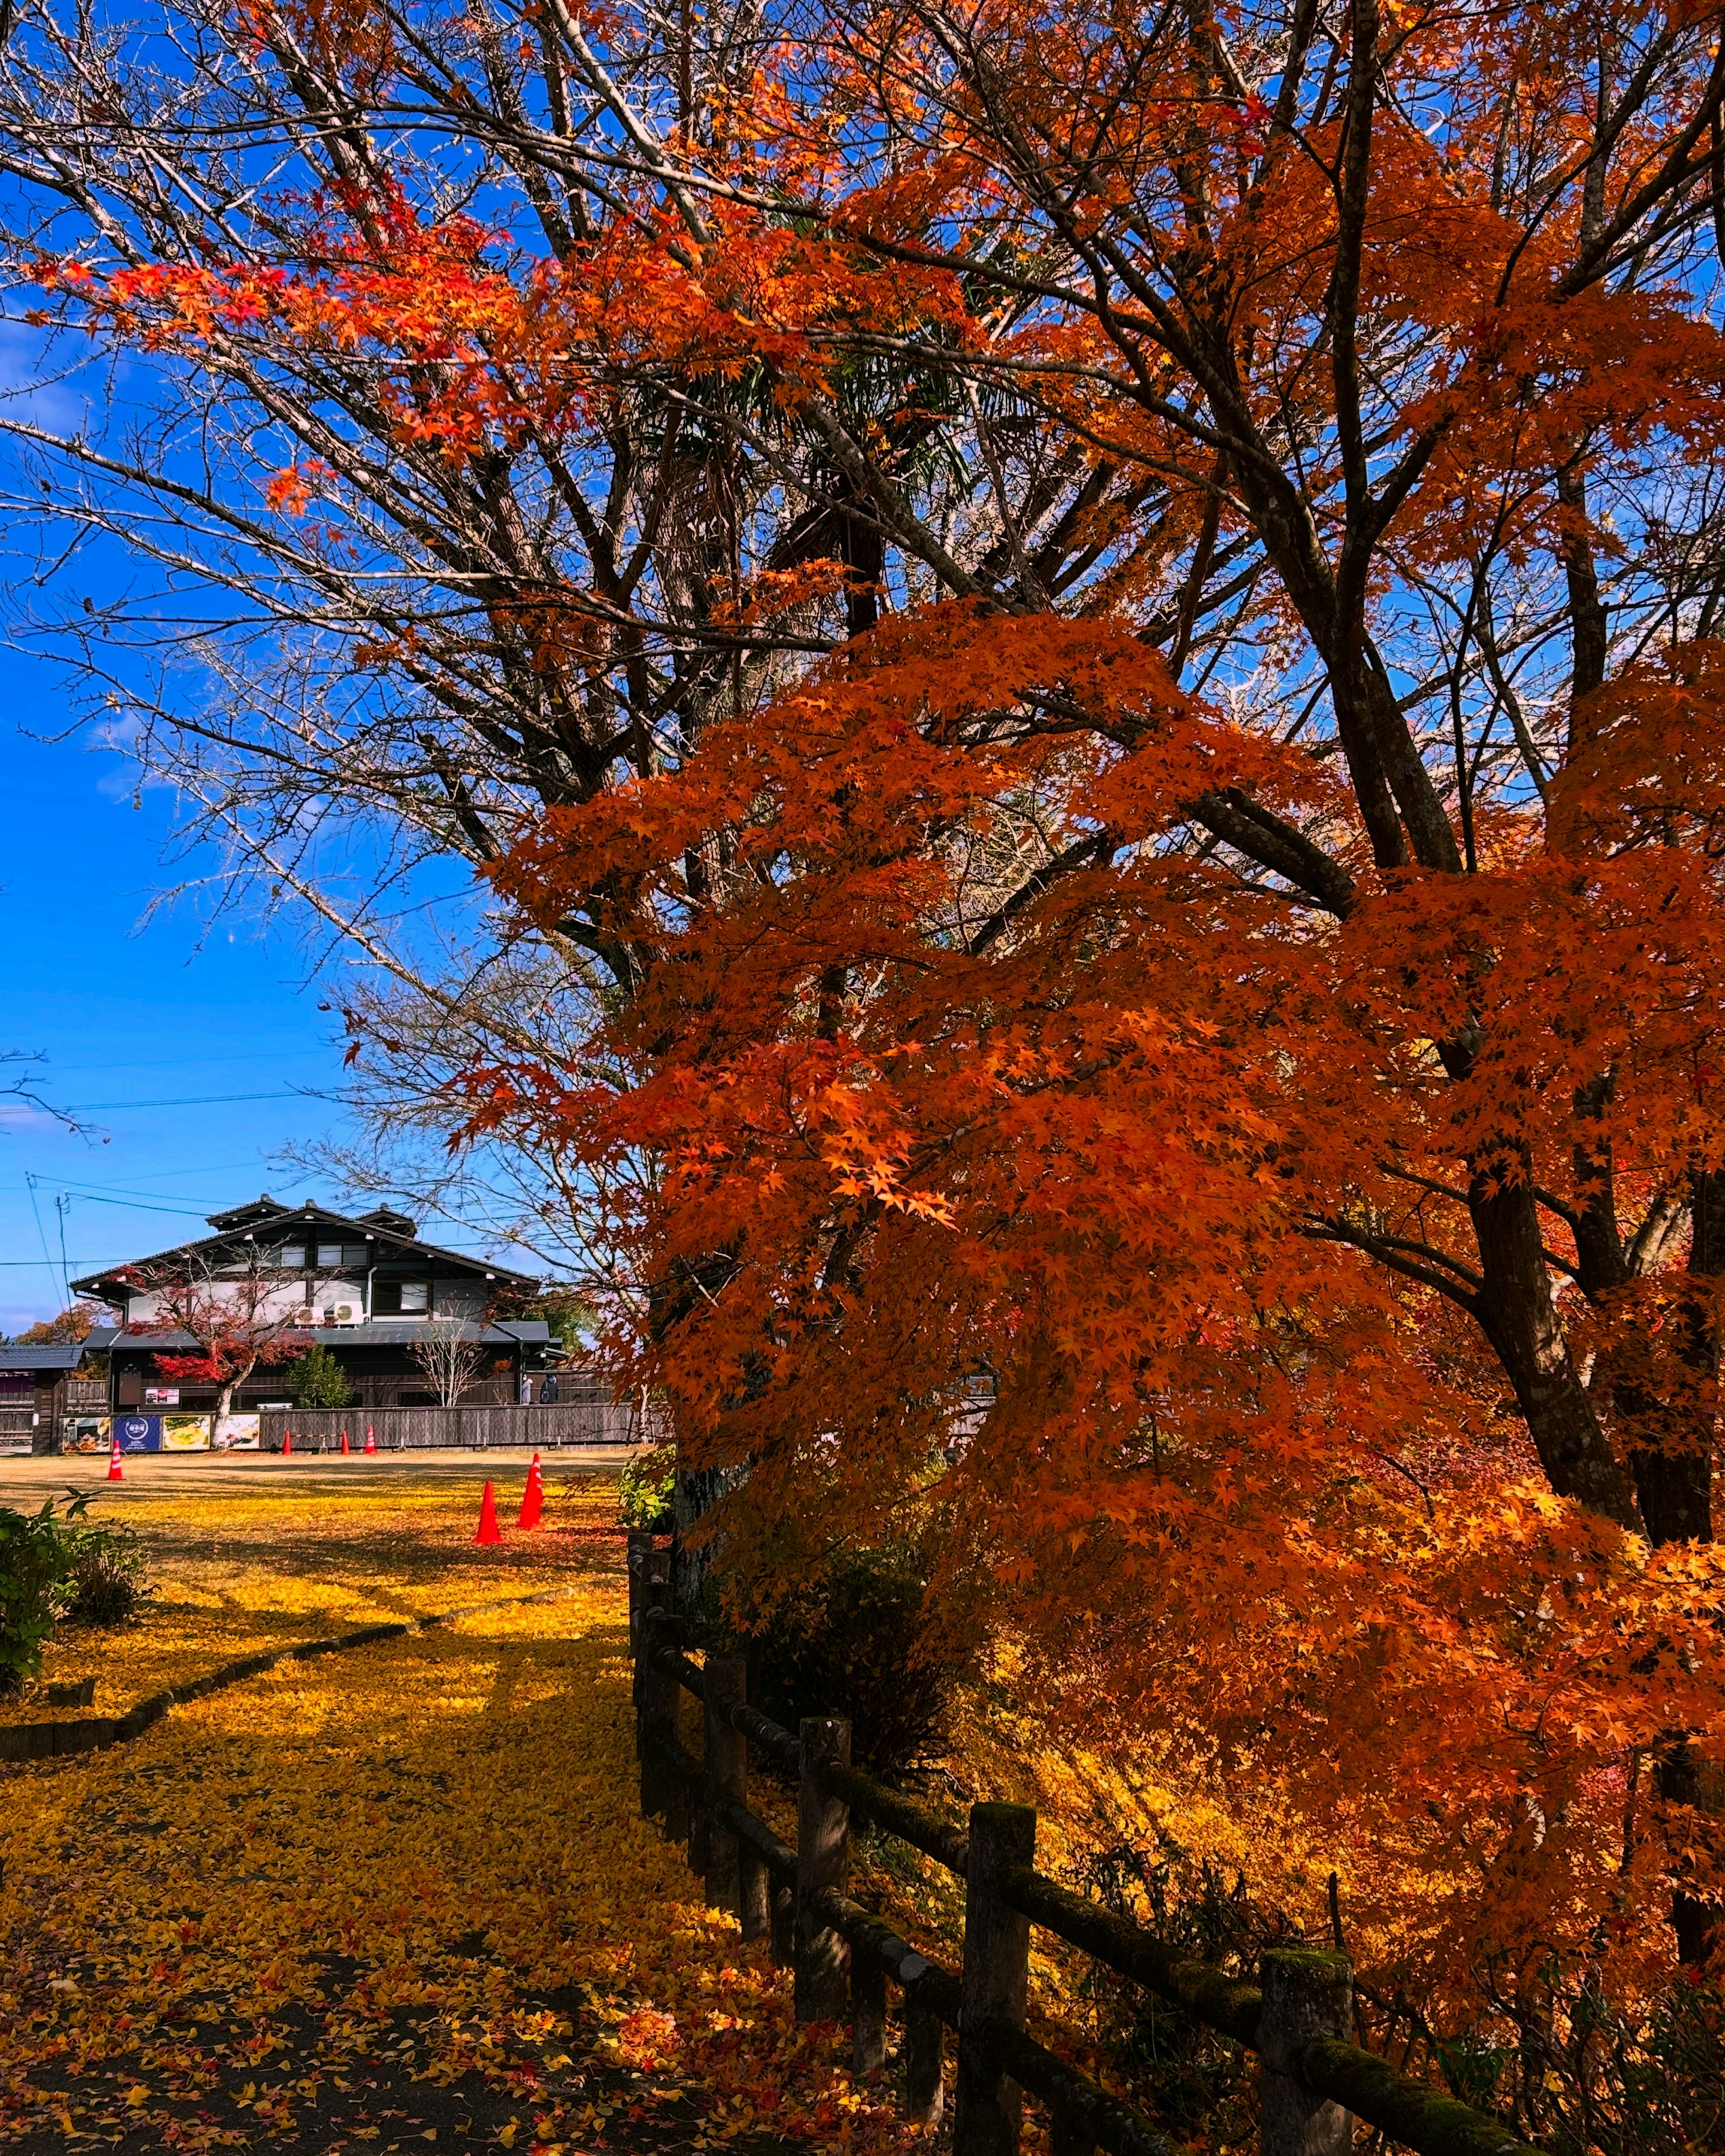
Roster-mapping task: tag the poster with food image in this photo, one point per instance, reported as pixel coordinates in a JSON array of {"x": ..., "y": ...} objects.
[
  {"x": 185, "y": 1433},
  {"x": 237, "y": 1433},
  {"x": 138, "y": 1432},
  {"x": 85, "y": 1433}
]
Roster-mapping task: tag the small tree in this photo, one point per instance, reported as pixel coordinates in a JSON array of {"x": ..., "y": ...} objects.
[
  {"x": 448, "y": 1353},
  {"x": 229, "y": 1315},
  {"x": 317, "y": 1380}
]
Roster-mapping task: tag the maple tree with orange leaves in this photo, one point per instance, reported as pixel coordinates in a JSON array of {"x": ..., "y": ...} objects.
[{"x": 1191, "y": 889}]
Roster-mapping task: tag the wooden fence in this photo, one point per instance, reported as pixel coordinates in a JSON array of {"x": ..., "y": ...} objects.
[
  {"x": 1314, "y": 2083},
  {"x": 402, "y": 1430}
]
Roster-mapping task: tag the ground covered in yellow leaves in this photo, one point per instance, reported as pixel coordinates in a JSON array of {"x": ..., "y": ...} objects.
[
  {"x": 251, "y": 1554},
  {"x": 396, "y": 1898}
]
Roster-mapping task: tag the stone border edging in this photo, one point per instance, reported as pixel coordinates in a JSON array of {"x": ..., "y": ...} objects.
[{"x": 28, "y": 1741}]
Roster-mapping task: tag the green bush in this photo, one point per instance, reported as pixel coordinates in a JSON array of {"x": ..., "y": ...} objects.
[
  {"x": 317, "y": 1380},
  {"x": 645, "y": 1493},
  {"x": 107, "y": 1583},
  {"x": 861, "y": 1643},
  {"x": 36, "y": 1553}
]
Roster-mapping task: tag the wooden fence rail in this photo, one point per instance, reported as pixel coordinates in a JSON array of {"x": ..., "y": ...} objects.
[
  {"x": 1314, "y": 2081},
  {"x": 598, "y": 1421}
]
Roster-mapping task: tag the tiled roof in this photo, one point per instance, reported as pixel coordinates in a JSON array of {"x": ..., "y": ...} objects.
[{"x": 61, "y": 1356}]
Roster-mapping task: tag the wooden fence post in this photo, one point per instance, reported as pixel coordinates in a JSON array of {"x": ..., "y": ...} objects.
[
  {"x": 673, "y": 1632},
  {"x": 725, "y": 1754},
  {"x": 823, "y": 1862},
  {"x": 756, "y": 1889},
  {"x": 662, "y": 1790},
  {"x": 641, "y": 1549},
  {"x": 925, "y": 2048},
  {"x": 1306, "y": 1996},
  {"x": 867, "y": 2013},
  {"x": 647, "y": 1695},
  {"x": 996, "y": 1980},
  {"x": 784, "y": 1924}
]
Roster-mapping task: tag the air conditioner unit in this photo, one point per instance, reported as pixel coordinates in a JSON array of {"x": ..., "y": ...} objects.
[
  {"x": 305, "y": 1316},
  {"x": 344, "y": 1313}
]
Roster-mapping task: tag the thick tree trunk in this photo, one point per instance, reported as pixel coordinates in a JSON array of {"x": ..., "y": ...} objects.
[
  {"x": 1520, "y": 1319},
  {"x": 696, "y": 1491}
]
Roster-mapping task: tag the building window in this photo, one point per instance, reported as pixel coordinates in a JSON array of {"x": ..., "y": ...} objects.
[
  {"x": 291, "y": 1257},
  {"x": 401, "y": 1298},
  {"x": 341, "y": 1257}
]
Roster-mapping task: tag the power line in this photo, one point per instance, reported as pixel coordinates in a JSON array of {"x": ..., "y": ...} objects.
[
  {"x": 138, "y": 1205},
  {"x": 173, "y": 1174},
  {"x": 154, "y": 1063},
  {"x": 41, "y": 1233},
  {"x": 196, "y": 1100}
]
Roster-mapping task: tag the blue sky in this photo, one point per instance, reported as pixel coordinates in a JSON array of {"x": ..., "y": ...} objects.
[{"x": 154, "y": 1029}]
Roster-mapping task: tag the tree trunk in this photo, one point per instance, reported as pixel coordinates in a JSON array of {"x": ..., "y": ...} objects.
[
  {"x": 695, "y": 1491},
  {"x": 1520, "y": 1319}
]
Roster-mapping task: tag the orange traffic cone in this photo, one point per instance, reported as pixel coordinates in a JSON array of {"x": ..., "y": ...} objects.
[
  {"x": 489, "y": 1529},
  {"x": 345, "y": 1446},
  {"x": 532, "y": 1497},
  {"x": 116, "y": 1473},
  {"x": 371, "y": 1441},
  {"x": 287, "y": 1443}
]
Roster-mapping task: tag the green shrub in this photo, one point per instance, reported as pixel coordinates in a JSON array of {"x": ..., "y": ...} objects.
[
  {"x": 36, "y": 1552},
  {"x": 645, "y": 1493},
  {"x": 107, "y": 1584},
  {"x": 861, "y": 1644},
  {"x": 317, "y": 1380}
]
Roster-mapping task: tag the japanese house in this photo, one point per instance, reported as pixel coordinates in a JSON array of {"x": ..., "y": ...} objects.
[{"x": 366, "y": 1287}]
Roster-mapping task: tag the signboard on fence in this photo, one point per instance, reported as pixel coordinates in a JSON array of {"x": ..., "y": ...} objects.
[
  {"x": 185, "y": 1433},
  {"x": 237, "y": 1433},
  {"x": 138, "y": 1432},
  {"x": 85, "y": 1433}
]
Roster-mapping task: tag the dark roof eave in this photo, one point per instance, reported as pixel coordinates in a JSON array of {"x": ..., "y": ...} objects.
[{"x": 93, "y": 1283}]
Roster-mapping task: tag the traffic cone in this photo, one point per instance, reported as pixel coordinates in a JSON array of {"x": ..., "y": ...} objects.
[
  {"x": 489, "y": 1529},
  {"x": 345, "y": 1446},
  {"x": 532, "y": 1497},
  {"x": 116, "y": 1473},
  {"x": 287, "y": 1443},
  {"x": 371, "y": 1441}
]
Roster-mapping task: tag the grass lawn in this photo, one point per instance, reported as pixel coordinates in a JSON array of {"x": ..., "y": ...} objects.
[{"x": 393, "y": 1899}]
